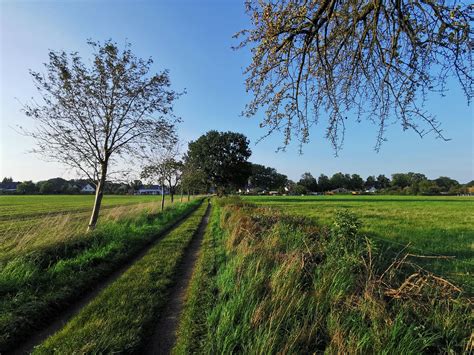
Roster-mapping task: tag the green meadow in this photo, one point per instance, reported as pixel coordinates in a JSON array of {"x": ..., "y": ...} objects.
[
  {"x": 283, "y": 274},
  {"x": 47, "y": 264},
  {"x": 425, "y": 225},
  {"x": 30, "y": 222}
]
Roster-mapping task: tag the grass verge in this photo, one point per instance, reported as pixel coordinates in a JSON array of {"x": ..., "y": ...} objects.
[
  {"x": 120, "y": 318},
  {"x": 36, "y": 286},
  {"x": 288, "y": 285}
]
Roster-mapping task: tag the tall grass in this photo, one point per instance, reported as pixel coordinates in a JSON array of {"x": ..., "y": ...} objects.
[
  {"x": 38, "y": 283},
  {"x": 289, "y": 285}
]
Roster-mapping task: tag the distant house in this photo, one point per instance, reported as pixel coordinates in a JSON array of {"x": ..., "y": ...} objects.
[
  {"x": 372, "y": 190},
  {"x": 151, "y": 190},
  {"x": 8, "y": 186},
  {"x": 87, "y": 189}
]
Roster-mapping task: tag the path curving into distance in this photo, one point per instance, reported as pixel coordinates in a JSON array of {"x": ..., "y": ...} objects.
[
  {"x": 164, "y": 334},
  {"x": 63, "y": 318}
]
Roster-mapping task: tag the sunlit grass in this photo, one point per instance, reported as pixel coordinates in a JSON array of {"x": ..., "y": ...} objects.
[
  {"x": 428, "y": 225},
  {"x": 38, "y": 221},
  {"x": 121, "y": 317},
  {"x": 49, "y": 267},
  {"x": 268, "y": 282}
]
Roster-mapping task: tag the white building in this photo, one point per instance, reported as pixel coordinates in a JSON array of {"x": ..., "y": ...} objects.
[
  {"x": 88, "y": 189},
  {"x": 151, "y": 190}
]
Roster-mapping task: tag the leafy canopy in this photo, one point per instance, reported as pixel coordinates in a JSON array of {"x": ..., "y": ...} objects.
[{"x": 222, "y": 156}]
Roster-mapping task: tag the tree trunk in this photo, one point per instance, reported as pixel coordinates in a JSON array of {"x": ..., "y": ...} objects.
[
  {"x": 172, "y": 194},
  {"x": 188, "y": 195},
  {"x": 99, "y": 193},
  {"x": 181, "y": 197},
  {"x": 162, "y": 197}
]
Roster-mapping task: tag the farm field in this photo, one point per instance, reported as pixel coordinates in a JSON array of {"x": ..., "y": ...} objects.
[
  {"x": 26, "y": 206},
  {"x": 29, "y": 222},
  {"x": 428, "y": 225}
]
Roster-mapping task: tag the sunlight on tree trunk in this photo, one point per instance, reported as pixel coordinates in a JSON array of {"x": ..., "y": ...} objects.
[{"x": 99, "y": 194}]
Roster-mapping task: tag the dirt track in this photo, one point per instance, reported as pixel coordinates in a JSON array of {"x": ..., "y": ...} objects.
[
  {"x": 60, "y": 320},
  {"x": 164, "y": 335}
]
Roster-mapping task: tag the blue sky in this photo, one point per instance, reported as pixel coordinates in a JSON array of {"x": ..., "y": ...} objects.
[{"x": 193, "y": 40}]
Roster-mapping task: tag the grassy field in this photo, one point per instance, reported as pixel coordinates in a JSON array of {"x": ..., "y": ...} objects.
[
  {"x": 268, "y": 282},
  {"x": 19, "y": 206},
  {"x": 40, "y": 278},
  {"x": 274, "y": 274},
  {"x": 429, "y": 225},
  {"x": 31, "y": 222}
]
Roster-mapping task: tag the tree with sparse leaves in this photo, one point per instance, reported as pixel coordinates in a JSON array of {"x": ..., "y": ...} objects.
[
  {"x": 172, "y": 170},
  {"x": 155, "y": 173},
  {"x": 374, "y": 59},
  {"x": 94, "y": 115}
]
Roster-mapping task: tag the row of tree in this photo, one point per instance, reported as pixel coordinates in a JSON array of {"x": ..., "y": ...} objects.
[
  {"x": 198, "y": 172},
  {"x": 401, "y": 183}
]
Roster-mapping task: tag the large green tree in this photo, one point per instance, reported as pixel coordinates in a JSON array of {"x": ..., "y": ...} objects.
[
  {"x": 445, "y": 183},
  {"x": 26, "y": 187},
  {"x": 266, "y": 178},
  {"x": 222, "y": 156},
  {"x": 309, "y": 182},
  {"x": 373, "y": 59},
  {"x": 96, "y": 113},
  {"x": 324, "y": 184},
  {"x": 382, "y": 182},
  {"x": 357, "y": 183}
]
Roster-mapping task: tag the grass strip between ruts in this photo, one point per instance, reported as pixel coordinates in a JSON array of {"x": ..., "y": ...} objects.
[
  {"x": 120, "y": 318},
  {"x": 201, "y": 294},
  {"x": 35, "y": 288}
]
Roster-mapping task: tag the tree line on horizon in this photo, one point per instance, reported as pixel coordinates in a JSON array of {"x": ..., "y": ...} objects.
[{"x": 263, "y": 179}]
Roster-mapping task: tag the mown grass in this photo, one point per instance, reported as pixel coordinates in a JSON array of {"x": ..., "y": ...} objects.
[
  {"x": 36, "y": 285},
  {"x": 289, "y": 285},
  {"x": 428, "y": 225},
  {"x": 120, "y": 318}
]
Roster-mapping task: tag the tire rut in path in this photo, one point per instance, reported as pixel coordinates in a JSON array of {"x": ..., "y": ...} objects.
[
  {"x": 164, "y": 334},
  {"x": 37, "y": 337}
]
